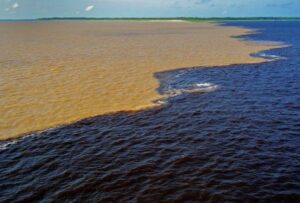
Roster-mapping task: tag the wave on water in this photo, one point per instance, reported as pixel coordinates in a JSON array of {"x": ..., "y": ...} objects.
[
  {"x": 192, "y": 88},
  {"x": 265, "y": 55},
  {"x": 188, "y": 88},
  {"x": 169, "y": 93},
  {"x": 7, "y": 143}
]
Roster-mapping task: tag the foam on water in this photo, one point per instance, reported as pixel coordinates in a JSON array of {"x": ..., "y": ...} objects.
[
  {"x": 265, "y": 55},
  {"x": 193, "y": 88},
  {"x": 6, "y": 144},
  {"x": 171, "y": 92}
]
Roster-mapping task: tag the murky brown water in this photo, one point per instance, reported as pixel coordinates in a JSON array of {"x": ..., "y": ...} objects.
[
  {"x": 225, "y": 134},
  {"x": 58, "y": 72}
]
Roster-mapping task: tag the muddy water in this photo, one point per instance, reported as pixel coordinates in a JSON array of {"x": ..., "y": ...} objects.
[
  {"x": 225, "y": 134},
  {"x": 58, "y": 72}
]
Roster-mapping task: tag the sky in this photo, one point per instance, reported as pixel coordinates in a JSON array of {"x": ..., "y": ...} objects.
[{"x": 30, "y": 9}]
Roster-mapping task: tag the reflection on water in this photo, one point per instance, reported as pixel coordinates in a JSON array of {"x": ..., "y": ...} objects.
[
  {"x": 239, "y": 142},
  {"x": 56, "y": 72}
]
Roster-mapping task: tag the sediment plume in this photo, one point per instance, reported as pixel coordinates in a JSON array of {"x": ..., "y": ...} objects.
[{"x": 57, "y": 72}]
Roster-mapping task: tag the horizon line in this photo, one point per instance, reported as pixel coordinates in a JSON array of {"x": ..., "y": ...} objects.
[{"x": 156, "y": 18}]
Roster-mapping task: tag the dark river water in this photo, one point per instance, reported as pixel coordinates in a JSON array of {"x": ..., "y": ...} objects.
[{"x": 224, "y": 134}]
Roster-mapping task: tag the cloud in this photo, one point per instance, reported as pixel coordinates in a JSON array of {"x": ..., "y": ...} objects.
[
  {"x": 15, "y": 5},
  {"x": 12, "y": 8},
  {"x": 89, "y": 8}
]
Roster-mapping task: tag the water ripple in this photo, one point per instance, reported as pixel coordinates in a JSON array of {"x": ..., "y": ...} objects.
[{"x": 238, "y": 143}]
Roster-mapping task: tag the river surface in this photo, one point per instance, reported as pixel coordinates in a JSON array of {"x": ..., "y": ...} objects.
[
  {"x": 229, "y": 133},
  {"x": 59, "y": 72}
]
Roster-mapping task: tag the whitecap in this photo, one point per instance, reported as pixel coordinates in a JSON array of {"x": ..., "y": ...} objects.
[
  {"x": 267, "y": 56},
  {"x": 5, "y": 144},
  {"x": 193, "y": 88}
]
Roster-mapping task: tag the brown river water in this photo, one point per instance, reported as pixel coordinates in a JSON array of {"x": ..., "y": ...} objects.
[{"x": 58, "y": 72}]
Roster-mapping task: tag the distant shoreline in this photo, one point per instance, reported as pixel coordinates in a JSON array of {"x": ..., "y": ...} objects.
[{"x": 191, "y": 19}]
